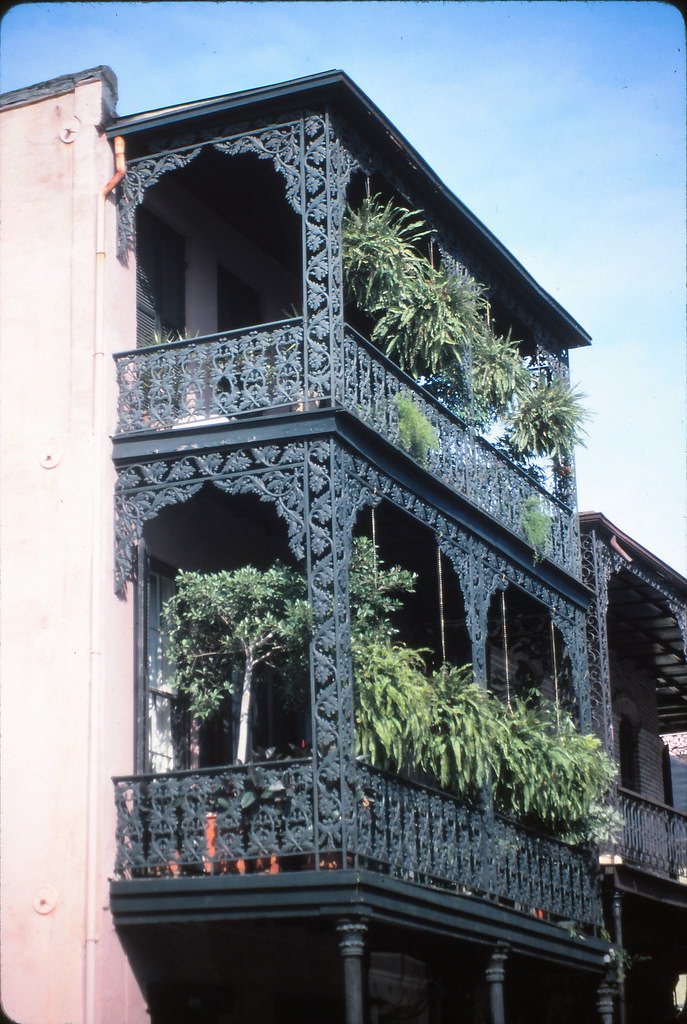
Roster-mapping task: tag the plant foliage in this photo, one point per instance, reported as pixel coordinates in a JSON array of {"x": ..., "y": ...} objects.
[
  {"x": 415, "y": 433},
  {"x": 536, "y": 526},
  {"x": 547, "y": 419},
  {"x": 433, "y": 322},
  {"x": 376, "y": 591},
  {"x": 223, "y": 627},
  {"x": 229, "y": 624},
  {"x": 539, "y": 768}
]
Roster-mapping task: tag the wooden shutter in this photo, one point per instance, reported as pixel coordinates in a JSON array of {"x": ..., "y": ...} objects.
[{"x": 160, "y": 280}]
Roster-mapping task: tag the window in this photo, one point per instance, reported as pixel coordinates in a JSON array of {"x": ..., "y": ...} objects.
[
  {"x": 166, "y": 720},
  {"x": 160, "y": 280},
  {"x": 173, "y": 740}
]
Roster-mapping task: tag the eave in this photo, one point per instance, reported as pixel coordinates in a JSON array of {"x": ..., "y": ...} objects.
[{"x": 336, "y": 89}]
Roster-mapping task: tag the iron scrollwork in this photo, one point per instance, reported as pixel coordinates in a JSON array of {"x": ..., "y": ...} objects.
[
  {"x": 274, "y": 473},
  {"x": 279, "y": 143}
]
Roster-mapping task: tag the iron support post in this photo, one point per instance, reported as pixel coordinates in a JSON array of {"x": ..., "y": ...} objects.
[
  {"x": 617, "y": 911},
  {"x": 495, "y": 975},
  {"x": 352, "y": 945},
  {"x": 604, "y": 1000}
]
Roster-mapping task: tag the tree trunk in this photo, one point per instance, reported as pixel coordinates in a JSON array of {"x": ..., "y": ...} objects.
[{"x": 242, "y": 750}]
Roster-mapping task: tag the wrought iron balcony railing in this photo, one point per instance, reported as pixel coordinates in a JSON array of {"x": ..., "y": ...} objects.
[
  {"x": 265, "y": 369},
  {"x": 421, "y": 834},
  {"x": 654, "y": 836},
  {"x": 259, "y": 818}
]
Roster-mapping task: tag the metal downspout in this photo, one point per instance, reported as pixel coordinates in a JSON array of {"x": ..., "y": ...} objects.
[{"x": 97, "y": 585}]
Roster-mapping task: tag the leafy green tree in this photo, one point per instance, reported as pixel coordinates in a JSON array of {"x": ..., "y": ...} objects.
[
  {"x": 377, "y": 591},
  {"x": 228, "y": 621}
]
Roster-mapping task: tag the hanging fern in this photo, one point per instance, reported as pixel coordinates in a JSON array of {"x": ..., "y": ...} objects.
[
  {"x": 380, "y": 254},
  {"x": 415, "y": 433},
  {"x": 549, "y": 774},
  {"x": 548, "y": 419},
  {"x": 541, "y": 770},
  {"x": 422, "y": 316},
  {"x": 432, "y": 321},
  {"x": 536, "y": 526},
  {"x": 497, "y": 373},
  {"x": 458, "y": 750},
  {"x": 392, "y": 713}
]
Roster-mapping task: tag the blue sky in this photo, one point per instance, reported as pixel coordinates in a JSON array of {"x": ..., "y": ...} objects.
[{"x": 561, "y": 125}]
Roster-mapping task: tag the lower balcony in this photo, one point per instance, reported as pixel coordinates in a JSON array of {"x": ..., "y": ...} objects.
[{"x": 229, "y": 827}]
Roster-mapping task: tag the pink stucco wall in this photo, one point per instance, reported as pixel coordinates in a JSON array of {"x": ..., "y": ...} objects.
[{"x": 66, "y": 698}]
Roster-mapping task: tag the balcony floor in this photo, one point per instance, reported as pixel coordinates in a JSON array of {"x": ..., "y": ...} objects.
[{"x": 306, "y": 896}]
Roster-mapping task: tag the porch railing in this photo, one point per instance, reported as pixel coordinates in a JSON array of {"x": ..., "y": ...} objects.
[
  {"x": 420, "y": 834},
  {"x": 264, "y": 369},
  {"x": 213, "y": 820},
  {"x": 259, "y": 818},
  {"x": 218, "y": 377},
  {"x": 654, "y": 836}
]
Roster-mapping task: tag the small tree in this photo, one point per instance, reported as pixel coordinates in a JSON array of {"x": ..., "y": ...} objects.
[{"x": 243, "y": 620}]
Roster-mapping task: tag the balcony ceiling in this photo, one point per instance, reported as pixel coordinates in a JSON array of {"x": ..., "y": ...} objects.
[
  {"x": 248, "y": 194},
  {"x": 642, "y": 627}
]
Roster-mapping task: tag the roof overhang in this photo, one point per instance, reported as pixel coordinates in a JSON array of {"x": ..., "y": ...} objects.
[{"x": 336, "y": 90}]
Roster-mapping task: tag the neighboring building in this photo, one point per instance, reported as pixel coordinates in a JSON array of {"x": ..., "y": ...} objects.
[
  {"x": 270, "y": 430},
  {"x": 637, "y": 632}
]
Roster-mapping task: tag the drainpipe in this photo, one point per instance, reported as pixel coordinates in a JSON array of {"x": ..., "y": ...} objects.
[{"x": 97, "y": 585}]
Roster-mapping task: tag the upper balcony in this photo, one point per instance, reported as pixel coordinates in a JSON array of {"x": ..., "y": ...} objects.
[{"x": 219, "y": 380}]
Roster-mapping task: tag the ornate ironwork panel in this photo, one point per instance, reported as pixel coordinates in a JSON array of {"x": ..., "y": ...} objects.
[
  {"x": 215, "y": 378},
  {"x": 214, "y": 821},
  {"x": 596, "y": 572},
  {"x": 261, "y": 818},
  {"x": 599, "y": 563},
  {"x": 329, "y": 528},
  {"x": 249, "y": 372},
  {"x": 275, "y": 473},
  {"x": 424, "y": 836},
  {"x": 372, "y": 386},
  {"x": 280, "y": 143}
]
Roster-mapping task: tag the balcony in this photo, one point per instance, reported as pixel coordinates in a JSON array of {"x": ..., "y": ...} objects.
[
  {"x": 260, "y": 819},
  {"x": 654, "y": 837},
  {"x": 266, "y": 370}
]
